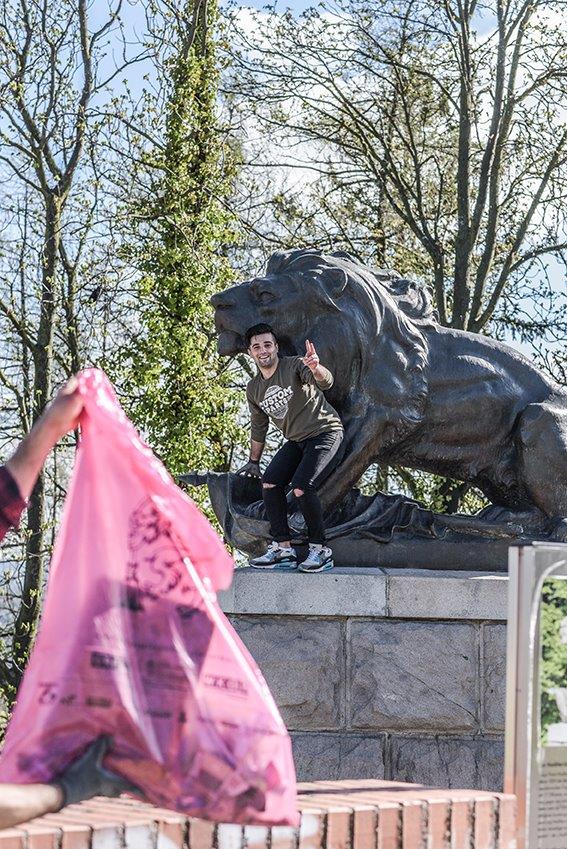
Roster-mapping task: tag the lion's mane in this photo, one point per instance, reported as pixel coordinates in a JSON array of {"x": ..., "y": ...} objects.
[{"x": 384, "y": 308}]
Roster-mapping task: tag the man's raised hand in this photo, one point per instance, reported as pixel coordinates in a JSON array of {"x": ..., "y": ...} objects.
[{"x": 311, "y": 358}]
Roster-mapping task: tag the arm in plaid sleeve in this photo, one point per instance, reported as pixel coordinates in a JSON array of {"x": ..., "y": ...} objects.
[{"x": 11, "y": 502}]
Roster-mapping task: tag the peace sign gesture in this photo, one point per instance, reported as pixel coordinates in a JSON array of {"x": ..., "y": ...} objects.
[{"x": 311, "y": 358}]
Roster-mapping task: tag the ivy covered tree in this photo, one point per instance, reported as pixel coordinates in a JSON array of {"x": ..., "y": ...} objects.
[{"x": 180, "y": 392}]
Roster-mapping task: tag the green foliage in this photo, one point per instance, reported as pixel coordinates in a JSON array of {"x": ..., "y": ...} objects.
[
  {"x": 554, "y": 652},
  {"x": 180, "y": 392},
  {"x": 7, "y": 699},
  {"x": 442, "y": 495}
]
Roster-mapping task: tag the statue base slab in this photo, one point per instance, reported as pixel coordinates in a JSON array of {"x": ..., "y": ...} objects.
[
  {"x": 463, "y": 554},
  {"x": 379, "y": 530}
]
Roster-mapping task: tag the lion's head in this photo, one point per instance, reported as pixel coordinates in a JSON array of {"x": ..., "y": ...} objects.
[
  {"x": 301, "y": 285},
  {"x": 353, "y": 313}
]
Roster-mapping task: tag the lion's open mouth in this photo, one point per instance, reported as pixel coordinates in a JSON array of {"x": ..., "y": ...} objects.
[{"x": 230, "y": 342}]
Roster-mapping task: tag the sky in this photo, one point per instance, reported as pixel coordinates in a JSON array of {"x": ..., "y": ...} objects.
[
  {"x": 296, "y": 6},
  {"x": 484, "y": 24}
]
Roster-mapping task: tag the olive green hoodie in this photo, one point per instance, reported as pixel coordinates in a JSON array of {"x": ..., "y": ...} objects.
[{"x": 293, "y": 400}]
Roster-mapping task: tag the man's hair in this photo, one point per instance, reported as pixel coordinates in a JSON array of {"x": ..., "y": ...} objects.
[{"x": 257, "y": 330}]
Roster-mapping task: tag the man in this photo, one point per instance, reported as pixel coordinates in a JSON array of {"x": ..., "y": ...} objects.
[
  {"x": 289, "y": 392},
  {"x": 86, "y": 777}
]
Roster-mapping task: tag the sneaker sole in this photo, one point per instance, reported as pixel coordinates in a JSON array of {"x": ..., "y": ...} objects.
[
  {"x": 275, "y": 567},
  {"x": 325, "y": 567}
]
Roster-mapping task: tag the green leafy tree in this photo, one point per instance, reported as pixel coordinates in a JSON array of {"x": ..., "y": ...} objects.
[
  {"x": 430, "y": 136},
  {"x": 181, "y": 393},
  {"x": 554, "y": 652},
  {"x": 55, "y": 76},
  {"x": 421, "y": 136}
]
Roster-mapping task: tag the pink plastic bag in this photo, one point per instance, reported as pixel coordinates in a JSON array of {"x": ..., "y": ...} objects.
[{"x": 132, "y": 643}]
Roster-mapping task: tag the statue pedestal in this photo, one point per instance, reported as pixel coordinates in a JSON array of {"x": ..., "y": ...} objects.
[{"x": 383, "y": 673}]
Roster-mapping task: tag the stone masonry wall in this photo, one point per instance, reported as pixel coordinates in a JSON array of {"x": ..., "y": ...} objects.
[{"x": 382, "y": 673}]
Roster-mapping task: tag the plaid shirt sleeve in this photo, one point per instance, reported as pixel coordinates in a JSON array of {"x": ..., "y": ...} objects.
[{"x": 11, "y": 502}]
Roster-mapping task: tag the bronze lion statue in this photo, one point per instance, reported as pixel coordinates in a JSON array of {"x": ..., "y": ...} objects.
[{"x": 409, "y": 391}]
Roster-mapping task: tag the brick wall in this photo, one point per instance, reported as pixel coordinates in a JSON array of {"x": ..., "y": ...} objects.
[{"x": 362, "y": 814}]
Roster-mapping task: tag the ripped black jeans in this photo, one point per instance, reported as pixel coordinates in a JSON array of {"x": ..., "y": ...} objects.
[{"x": 304, "y": 465}]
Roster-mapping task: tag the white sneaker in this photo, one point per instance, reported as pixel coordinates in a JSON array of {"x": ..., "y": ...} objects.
[
  {"x": 278, "y": 558},
  {"x": 319, "y": 559}
]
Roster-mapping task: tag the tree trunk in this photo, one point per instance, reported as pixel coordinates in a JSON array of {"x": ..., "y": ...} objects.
[
  {"x": 461, "y": 291},
  {"x": 30, "y": 607}
]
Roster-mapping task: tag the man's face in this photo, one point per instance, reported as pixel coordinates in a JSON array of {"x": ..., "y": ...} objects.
[{"x": 264, "y": 351}]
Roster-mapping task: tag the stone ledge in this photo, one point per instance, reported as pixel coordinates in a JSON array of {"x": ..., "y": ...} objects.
[
  {"x": 442, "y": 595},
  {"x": 340, "y": 592},
  {"x": 363, "y": 814},
  {"x": 369, "y": 592}
]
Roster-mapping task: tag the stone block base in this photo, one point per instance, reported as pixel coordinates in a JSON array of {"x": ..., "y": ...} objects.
[
  {"x": 435, "y": 761},
  {"x": 382, "y": 673}
]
